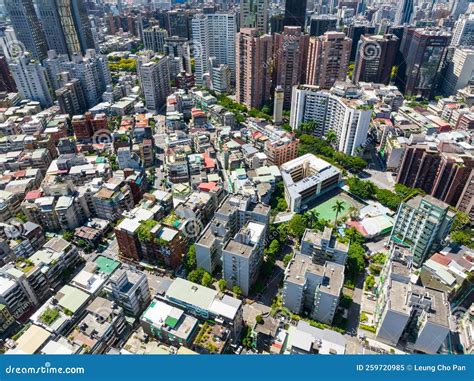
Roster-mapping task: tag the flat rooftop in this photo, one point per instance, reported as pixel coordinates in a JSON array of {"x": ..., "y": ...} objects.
[
  {"x": 238, "y": 248},
  {"x": 174, "y": 320},
  {"x": 315, "y": 170},
  {"x": 71, "y": 298},
  {"x": 191, "y": 293},
  {"x": 299, "y": 266},
  {"x": 106, "y": 265},
  {"x": 31, "y": 341}
]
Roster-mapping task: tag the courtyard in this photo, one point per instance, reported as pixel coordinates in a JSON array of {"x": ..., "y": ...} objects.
[{"x": 325, "y": 208}]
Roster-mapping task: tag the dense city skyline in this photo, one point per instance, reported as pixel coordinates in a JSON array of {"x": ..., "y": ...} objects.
[{"x": 236, "y": 177}]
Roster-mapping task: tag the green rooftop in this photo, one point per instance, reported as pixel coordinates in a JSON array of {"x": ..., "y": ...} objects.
[
  {"x": 144, "y": 231},
  {"x": 106, "y": 265},
  {"x": 171, "y": 321}
]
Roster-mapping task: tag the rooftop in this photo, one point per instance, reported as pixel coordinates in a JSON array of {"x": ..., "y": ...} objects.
[
  {"x": 174, "y": 320},
  {"x": 191, "y": 293},
  {"x": 106, "y": 265},
  {"x": 31, "y": 341},
  {"x": 71, "y": 298}
]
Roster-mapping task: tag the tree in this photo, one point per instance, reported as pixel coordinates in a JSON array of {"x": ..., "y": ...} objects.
[
  {"x": 338, "y": 207},
  {"x": 82, "y": 243},
  {"x": 353, "y": 236},
  {"x": 461, "y": 233},
  {"x": 287, "y": 258},
  {"x": 68, "y": 235},
  {"x": 206, "y": 280},
  {"x": 463, "y": 237},
  {"x": 278, "y": 202},
  {"x": 296, "y": 226},
  {"x": 273, "y": 248},
  {"x": 21, "y": 216},
  {"x": 190, "y": 263},
  {"x": 354, "y": 213},
  {"x": 266, "y": 109},
  {"x": 362, "y": 189},
  {"x": 387, "y": 198},
  {"x": 282, "y": 230},
  {"x": 237, "y": 291},
  {"x": 259, "y": 319},
  {"x": 369, "y": 282},
  {"x": 460, "y": 221},
  {"x": 379, "y": 258},
  {"x": 355, "y": 260},
  {"x": 308, "y": 126},
  {"x": 375, "y": 268},
  {"x": 222, "y": 284},
  {"x": 196, "y": 276},
  {"x": 311, "y": 218},
  {"x": 331, "y": 137}
]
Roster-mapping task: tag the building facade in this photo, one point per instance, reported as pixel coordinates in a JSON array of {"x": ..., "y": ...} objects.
[
  {"x": 328, "y": 59},
  {"x": 421, "y": 225},
  {"x": 253, "y": 80},
  {"x": 348, "y": 118}
]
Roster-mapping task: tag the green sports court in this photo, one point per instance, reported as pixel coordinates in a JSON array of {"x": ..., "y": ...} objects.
[{"x": 326, "y": 212}]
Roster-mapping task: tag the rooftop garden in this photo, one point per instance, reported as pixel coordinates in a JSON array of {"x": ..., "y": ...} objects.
[
  {"x": 24, "y": 265},
  {"x": 172, "y": 220},
  {"x": 144, "y": 230},
  {"x": 122, "y": 64},
  {"x": 208, "y": 340},
  {"x": 49, "y": 315}
]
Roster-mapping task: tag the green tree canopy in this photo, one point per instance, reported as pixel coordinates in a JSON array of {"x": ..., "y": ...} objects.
[{"x": 296, "y": 226}]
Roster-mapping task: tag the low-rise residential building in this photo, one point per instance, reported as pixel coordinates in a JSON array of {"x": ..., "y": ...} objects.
[
  {"x": 101, "y": 328},
  {"x": 466, "y": 331},
  {"x": 324, "y": 246},
  {"x": 205, "y": 303},
  {"x": 90, "y": 279},
  {"x": 30, "y": 342},
  {"x": 15, "y": 294},
  {"x": 113, "y": 198},
  {"x": 448, "y": 270},
  {"x": 412, "y": 313},
  {"x": 313, "y": 288},
  {"x": 169, "y": 324},
  {"x": 232, "y": 215},
  {"x": 243, "y": 255},
  {"x": 306, "y": 339},
  {"x": 44, "y": 271},
  {"x": 129, "y": 289},
  {"x": 62, "y": 311},
  {"x": 9, "y": 205}
]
